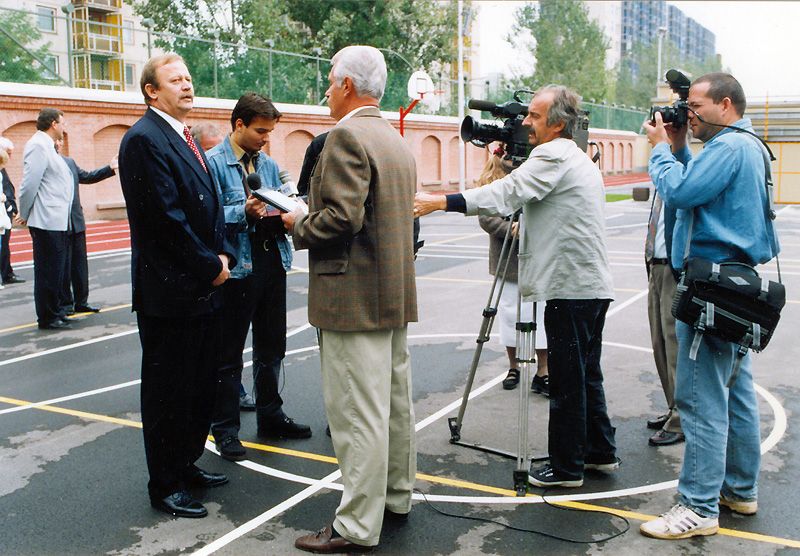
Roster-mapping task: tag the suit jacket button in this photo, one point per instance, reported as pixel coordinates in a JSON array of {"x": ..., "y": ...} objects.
[{"x": 201, "y": 196}]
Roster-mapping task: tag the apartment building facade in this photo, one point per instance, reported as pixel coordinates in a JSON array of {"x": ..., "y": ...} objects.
[{"x": 93, "y": 44}]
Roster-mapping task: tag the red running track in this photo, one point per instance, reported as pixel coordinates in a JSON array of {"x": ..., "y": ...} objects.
[
  {"x": 115, "y": 234},
  {"x": 100, "y": 236}
]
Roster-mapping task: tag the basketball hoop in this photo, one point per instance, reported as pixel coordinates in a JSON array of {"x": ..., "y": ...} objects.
[{"x": 420, "y": 89}]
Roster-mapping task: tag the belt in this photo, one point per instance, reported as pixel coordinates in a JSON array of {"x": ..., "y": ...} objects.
[{"x": 659, "y": 261}]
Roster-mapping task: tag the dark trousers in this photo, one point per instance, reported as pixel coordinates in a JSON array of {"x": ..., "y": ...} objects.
[
  {"x": 579, "y": 426},
  {"x": 260, "y": 299},
  {"x": 75, "y": 289},
  {"x": 49, "y": 264},
  {"x": 6, "y": 272},
  {"x": 179, "y": 364}
]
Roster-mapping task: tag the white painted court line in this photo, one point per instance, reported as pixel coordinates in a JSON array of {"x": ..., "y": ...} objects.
[
  {"x": 67, "y": 347},
  {"x": 115, "y": 386}
]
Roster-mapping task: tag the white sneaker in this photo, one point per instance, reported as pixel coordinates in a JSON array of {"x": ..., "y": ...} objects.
[
  {"x": 743, "y": 507},
  {"x": 679, "y": 523}
]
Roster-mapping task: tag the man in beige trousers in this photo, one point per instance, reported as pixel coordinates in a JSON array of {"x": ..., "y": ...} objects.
[{"x": 361, "y": 297}]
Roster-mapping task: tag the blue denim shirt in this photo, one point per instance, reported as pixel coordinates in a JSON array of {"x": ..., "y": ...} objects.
[
  {"x": 724, "y": 186},
  {"x": 228, "y": 174}
]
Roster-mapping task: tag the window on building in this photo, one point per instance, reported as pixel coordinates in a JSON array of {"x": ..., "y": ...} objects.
[
  {"x": 46, "y": 18},
  {"x": 51, "y": 63},
  {"x": 130, "y": 75},
  {"x": 127, "y": 32}
]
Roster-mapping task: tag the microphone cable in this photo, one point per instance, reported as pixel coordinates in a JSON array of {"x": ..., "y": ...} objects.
[{"x": 625, "y": 529}]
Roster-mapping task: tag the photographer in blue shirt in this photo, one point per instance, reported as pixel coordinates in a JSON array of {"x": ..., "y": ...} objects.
[{"x": 722, "y": 190}]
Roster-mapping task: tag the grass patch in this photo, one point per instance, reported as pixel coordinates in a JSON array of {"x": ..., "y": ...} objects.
[{"x": 613, "y": 197}]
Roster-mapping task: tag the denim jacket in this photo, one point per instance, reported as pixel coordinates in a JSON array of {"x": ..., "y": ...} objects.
[
  {"x": 724, "y": 186},
  {"x": 228, "y": 174}
]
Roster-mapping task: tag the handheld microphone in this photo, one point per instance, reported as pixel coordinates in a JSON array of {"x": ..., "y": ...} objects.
[
  {"x": 288, "y": 186},
  {"x": 253, "y": 181}
]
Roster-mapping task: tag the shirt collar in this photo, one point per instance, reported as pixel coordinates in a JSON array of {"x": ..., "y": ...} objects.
[
  {"x": 354, "y": 112},
  {"x": 239, "y": 152},
  {"x": 173, "y": 123}
]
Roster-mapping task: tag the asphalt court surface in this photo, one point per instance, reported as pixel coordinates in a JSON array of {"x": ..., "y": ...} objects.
[{"x": 73, "y": 476}]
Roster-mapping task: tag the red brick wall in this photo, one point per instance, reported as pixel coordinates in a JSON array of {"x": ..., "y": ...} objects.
[{"x": 96, "y": 122}]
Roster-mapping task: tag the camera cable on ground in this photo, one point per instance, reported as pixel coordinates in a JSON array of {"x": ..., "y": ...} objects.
[{"x": 624, "y": 530}]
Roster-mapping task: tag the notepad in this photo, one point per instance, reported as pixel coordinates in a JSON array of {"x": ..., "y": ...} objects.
[{"x": 278, "y": 200}]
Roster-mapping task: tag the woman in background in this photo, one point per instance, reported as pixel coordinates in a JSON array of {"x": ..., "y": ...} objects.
[{"x": 497, "y": 228}]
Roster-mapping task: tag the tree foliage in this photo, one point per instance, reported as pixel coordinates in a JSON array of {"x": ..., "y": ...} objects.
[
  {"x": 568, "y": 46},
  {"x": 17, "y": 65},
  {"x": 419, "y": 31},
  {"x": 637, "y": 72}
]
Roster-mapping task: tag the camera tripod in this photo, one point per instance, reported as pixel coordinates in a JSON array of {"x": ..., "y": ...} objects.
[{"x": 526, "y": 357}]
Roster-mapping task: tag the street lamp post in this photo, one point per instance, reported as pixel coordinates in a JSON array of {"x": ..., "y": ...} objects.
[
  {"x": 148, "y": 23},
  {"x": 462, "y": 153},
  {"x": 216, "y": 53},
  {"x": 318, "y": 52},
  {"x": 270, "y": 45},
  {"x": 68, "y": 9},
  {"x": 662, "y": 32}
]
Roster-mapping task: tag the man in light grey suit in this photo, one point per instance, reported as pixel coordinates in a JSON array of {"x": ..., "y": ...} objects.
[
  {"x": 359, "y": 233},
  {"x": 45, "y": 197}
]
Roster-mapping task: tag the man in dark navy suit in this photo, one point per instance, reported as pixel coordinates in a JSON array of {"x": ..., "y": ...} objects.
[
  {"x": 76, "y": 273},
  {"x": 179, "y": 258}
]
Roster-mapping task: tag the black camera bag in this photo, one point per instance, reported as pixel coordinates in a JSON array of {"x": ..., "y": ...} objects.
[{"x": 729, "y": 301}]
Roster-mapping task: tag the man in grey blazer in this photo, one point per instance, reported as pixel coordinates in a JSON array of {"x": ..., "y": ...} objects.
[
  {"x": 361, "y": 297},
  {"x": 45, "y": 197}
]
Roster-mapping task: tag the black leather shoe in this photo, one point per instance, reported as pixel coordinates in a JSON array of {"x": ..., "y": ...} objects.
[
  {"x": 179, "y": 504},
  {"x": 86, "y": 309},
  {"x": 198, "y": 478},
  {"x": 658, "y": 422},
  {"x": 13, "y": 279},
  {"x": 56, "y": 325},
  {"x": 666, "y": 438},
  {"x": 246, "y": 402},
  {"x": 231, "y": 449},
  {"x": 285, "y": 427}
]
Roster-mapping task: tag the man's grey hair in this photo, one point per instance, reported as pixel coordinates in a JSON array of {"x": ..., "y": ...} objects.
[
  {"x": 205, "y": 130},
  {"x": 365, "y": 66},
  {"x": 566, "y": 108},
  {"x": 6, "y": 144}
]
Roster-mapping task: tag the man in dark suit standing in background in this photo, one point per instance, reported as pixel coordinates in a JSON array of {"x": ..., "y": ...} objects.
[
  {"x": 75, "y": 291},
  {"x": 179, "y": 258},
  {"x": 361, "y": 297},
  {"x": 6, "y": 271}
]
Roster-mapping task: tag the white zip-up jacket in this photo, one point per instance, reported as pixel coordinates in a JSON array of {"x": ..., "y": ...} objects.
[{"x": 563, "y": 251}]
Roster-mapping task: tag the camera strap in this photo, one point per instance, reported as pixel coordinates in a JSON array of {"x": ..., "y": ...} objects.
[{"x": 706, "y": 320}]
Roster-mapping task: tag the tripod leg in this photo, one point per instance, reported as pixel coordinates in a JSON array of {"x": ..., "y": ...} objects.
[
  {"x": 489, "y": 313},
  {"x": 526, "y": 357}
]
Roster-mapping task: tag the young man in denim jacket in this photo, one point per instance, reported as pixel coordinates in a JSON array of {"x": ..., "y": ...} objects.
[
  {"x": 722, "y": 190},
  {"x": 256, "y": 291}
]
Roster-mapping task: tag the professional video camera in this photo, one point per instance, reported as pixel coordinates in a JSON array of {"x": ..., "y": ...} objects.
[
  {"x": 678, "y": 113},
  {"x": 512, "y": 132}
]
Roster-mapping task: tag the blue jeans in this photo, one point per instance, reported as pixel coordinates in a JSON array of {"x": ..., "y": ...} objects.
[
  {"x": 579, "y": 429},
  {"x": 721, "y": 426}
]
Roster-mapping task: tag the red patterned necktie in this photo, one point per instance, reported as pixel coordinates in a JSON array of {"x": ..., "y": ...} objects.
[{"x": 193, "y": 146}]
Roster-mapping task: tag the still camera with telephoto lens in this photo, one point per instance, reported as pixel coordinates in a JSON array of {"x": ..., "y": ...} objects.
[
  {"x": 678, "y": 113},
  {"x": 511, "y": 132}
]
